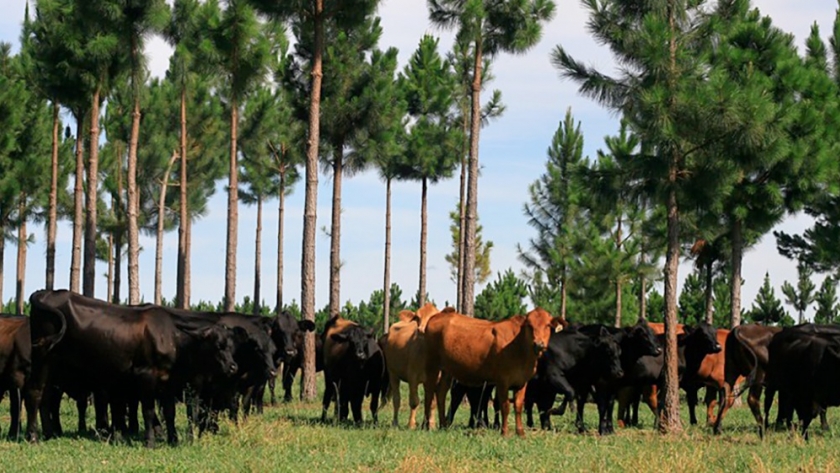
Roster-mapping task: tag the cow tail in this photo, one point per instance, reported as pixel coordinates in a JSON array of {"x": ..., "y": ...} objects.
[
  {"x": 37, "y": 306},
  {"x": 736, "y": 392},
  {"x": 385, "y": 394}
]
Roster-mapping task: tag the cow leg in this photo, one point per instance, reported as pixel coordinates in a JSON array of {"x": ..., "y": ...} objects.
[
  {"x": 456, "y": 395},
  {"x": 53, "y": 408},
  {"x": 272, "y": 382},
  {"x": 45, "y": 411},
  {"x": 329, "y": 391},
  {"x": 545, "y": 401},
  {"x": 118, "y": 415},
  {"x": 823, "y": 421},
  {"x": 502, "y": 393},
  {"x": 529, "y": 408},
  {"x": 148, "y": 405},
  {"x": 711, "y": 402},
  {"x": 81, "y": 410},
  {"x": 289, "y": 371},
  {"x": 581, "y": 404},
  {"x": 14, "y": 411},
  {"x": 443, "y": 386},
  {"x": 356, "y": 406},
  {"x": 691, "y": 400},
  {"x": 100, "y": 407},
  {"x": 754, "y": 401},
  {"x": 168, "y": 406},
  {"x": 133, "y": 405},
  {"x": 396, "y": 398},
  {"x": 725, "y": 395},
  {"x": 518, "y": 404}
]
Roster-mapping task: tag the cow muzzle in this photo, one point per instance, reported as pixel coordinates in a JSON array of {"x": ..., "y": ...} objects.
[
  {"x": 618, "y": 373},
  {"x": 290, "y": 353},
  {"x": 539, "y": 347},
  {"x": 717, "y": 348},
  {"x": 233, "y": 368}
]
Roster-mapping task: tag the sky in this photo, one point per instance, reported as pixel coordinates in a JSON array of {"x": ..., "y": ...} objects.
[{"x": 512, "y": 155}]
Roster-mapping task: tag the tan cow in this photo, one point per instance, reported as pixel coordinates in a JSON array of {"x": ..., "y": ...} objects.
[
  {"x": 476, "y": 351},
  {"x": 405, "y": 356}
]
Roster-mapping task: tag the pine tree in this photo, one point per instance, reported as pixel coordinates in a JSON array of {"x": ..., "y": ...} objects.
[
  {"x": 242, "y": 54},
  {"x": 312, "y": 15},
  {"x": 502, "y": 298},
  {"x": 432, "y": 142},
  {"x": 801, "y": 296},
  {"x": 493, "y": 27},
  {"x": 554, "y": 211},
  {"x": 826, "y": 299},
  {"x": 766, "y": 308},
  {"x": 481, "y": 266}
]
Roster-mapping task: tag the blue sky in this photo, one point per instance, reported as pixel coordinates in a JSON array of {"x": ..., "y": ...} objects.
[{"x": 512, "y": 155}]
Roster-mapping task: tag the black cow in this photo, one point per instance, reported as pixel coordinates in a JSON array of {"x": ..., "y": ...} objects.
[
  {"x": 291, "y": 366},
  {"x": 635, "y": 342},
  {"x": 15, "y": 365},
  {"x": 478, "y": 398},
  {"x": 572, "y": 365},
  {"x": 354, "y": 367},
  {"x": 803, "y": 364},
  {"x": 284, "y": 331},
  {"x": 119, "y": 353}
]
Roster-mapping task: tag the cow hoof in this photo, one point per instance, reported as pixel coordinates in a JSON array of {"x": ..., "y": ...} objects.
[{"x": 520, "y": 433}]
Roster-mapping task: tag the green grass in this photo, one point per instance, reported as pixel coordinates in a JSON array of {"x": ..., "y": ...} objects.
[{"x": 289, "y": 437}]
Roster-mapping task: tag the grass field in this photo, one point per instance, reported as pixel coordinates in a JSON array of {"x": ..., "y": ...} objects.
[{"x": 289, "y": 437}]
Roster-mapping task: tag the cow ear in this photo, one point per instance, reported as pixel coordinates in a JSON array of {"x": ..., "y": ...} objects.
[
  {"x": 604, "y": 332},
  {"x": 339, "y": 337},
  {"x": 240, "y": 334},
  {"x": 306, "y": 325},
  {"x": 406, "y": 315},
  {"x": 558, "y": 323}
]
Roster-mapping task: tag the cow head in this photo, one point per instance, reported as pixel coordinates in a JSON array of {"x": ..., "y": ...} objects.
[
  {"x": 538, "y": 326},
  {"x": 285, "y": 330},
  {"x": 703, "y": 337},
  {"x": 608, "y": 352},
  {"x": 641, "y": 339},
  {"x": 361, "y": 343},
  {"x": 254, "y": 353},
  {"x": 216, "y": 342}
]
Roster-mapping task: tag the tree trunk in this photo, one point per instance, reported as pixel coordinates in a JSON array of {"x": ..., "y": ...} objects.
[
  {"x": 89, "y": 268},
  {"x": 472, "y": 188},
  {"x": 462, "y": 214},
  {"x": 133, "y": 195},
  {"x": 618, "y": 276},
  {"x": 118, "y": 237},
  {"x": 421, "y": 293},
  {"x": 258, "y": 256},
  {"x": 386, "y": 284},
  {"x": 307, "y": 286},
  {"x": 20, "y": 296},
  {"x": 335, "y": 233},
  {"x": 232, "y": 214},
  {"x": 187, "y": 265},
  {"x": 78, "y": 209},
  {"x": 164, "y": 184},
  {"x": 735, "y": 283},
  {"x": 563, "y": 297},
  {"x": 709, "y": 295},
  {"x": 642, "y": 282},
  {"x": 52, "y": 211},
  {"x": 110, "y": 294},
  {"x": 183, "y": 214},
  {"x": 670, "y": 421},
  {"x": 281, "y": 199},
  {"x": 2, "y": 271}
]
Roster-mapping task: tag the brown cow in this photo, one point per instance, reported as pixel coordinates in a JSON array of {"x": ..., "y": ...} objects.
[
  {"x": 475, "y": 352},
  {"x": 405, "y": 356},
  {"x": 15, "y": 364},
  {"x": 711, "y": 375},
  {"x": 746, "y": 355}
]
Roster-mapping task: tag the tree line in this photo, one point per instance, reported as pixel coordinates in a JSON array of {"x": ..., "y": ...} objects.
[{"x": 725, "y": 130}]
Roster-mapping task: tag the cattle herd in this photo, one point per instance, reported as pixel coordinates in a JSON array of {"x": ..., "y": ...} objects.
[{"x": 149, "y": 357}]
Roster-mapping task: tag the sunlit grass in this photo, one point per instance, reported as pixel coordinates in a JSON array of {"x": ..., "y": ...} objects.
[{"x": 290, "y": 437}]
